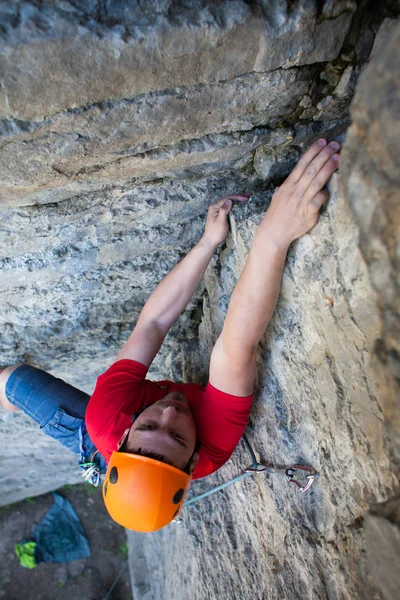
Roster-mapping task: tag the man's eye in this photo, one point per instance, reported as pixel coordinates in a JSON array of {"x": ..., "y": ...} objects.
[{"x": 146, "y": 427}]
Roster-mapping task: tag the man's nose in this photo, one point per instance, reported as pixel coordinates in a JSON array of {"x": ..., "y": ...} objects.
[{"x": 168, "y": 415}]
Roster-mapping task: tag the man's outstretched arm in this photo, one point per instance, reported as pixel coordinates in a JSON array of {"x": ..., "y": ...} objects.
[
  {"x": 172, "y": 295},
  {"x": 294, "y": 210}
]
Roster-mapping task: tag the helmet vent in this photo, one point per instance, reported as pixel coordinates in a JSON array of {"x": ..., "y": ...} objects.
[
  {"x": 176, "y": 512},
  {"x": 178, "y": 496},
  {"x": 105, "y": 488},
  {"x": 114, "y": 476}
]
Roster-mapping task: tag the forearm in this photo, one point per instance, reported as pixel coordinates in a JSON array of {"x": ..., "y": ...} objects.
[
  {"x": 255, "y": 296},
  {"x": 293, "y": 211},
  {"x": 172, "y": 295}
]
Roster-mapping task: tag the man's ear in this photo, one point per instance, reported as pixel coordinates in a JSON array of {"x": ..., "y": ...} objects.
[{"x": 193, "y": 462}]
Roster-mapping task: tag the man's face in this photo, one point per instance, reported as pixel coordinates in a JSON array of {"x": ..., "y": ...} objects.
[{"x": 166, "y": 428}]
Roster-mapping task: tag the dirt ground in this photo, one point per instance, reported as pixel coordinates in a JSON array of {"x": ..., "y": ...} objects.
[{"x": 86, "y": 579}]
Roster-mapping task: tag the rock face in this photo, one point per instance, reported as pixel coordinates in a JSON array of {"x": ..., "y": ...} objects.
[
  {"x": 121, "y": 123},
  {"x": 371, "y": 183},
  {"x": 32, "y": 463}
]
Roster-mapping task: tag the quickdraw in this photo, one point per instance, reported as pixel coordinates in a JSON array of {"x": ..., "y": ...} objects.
[
  {"x": 292, "y": 473},
  {"x": 289, "y": 472}
]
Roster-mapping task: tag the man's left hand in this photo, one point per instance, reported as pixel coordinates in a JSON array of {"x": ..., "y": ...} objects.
[{"x": 217, "y": 226}]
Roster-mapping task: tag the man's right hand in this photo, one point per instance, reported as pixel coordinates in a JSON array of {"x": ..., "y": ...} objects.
[
  {"x": 217, "y": 227},
  {"x": 295, "y": 206}
]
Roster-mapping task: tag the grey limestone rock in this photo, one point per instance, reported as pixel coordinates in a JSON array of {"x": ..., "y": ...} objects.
[
  {"x": 31, "y": 463},
  {"x": 382, "y": 537},
  {"x": 371, "y": 185},
  {"x": 79, "y": 54}
]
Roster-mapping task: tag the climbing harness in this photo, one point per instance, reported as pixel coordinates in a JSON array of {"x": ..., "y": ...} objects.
[
  {"x": 290, "y": 472},
  {"x": 91, "y": 468}
]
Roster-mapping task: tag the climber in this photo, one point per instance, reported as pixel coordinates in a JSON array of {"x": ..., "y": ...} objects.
[{"x": 157, "y": 436}]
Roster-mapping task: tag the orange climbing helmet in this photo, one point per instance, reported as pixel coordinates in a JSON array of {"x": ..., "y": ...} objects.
[{"x": 142, "y": 493}]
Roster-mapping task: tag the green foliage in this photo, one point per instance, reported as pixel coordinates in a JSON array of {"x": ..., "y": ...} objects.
[
  {"x": 68, "y": 487},
  {"x": 83, "y": 487}
]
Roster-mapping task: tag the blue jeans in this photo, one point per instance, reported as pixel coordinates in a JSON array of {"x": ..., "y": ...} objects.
[{"x": 59, "y": 409}]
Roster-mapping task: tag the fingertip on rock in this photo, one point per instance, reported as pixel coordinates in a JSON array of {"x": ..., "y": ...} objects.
[{"x": 335, "y": 145}]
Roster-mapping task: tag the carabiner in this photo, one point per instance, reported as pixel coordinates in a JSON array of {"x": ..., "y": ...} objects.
[{"x": 290, "y": 473}]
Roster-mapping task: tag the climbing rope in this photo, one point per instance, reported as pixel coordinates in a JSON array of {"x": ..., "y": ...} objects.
[{"x": 116, "y": 579}]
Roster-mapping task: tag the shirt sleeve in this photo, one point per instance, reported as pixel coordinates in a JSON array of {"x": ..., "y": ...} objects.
[
  {"x": 221, "y": 420},
  {"x": 120, "y": 392}
]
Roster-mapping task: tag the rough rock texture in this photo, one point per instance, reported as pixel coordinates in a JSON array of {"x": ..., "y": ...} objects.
[
  {"x": 371, "y": 183},
  {"x": 382, "y": 539},
  {"x": 121, "y": 123},
  {"x": 90, "y": 90},
  {"x": 31, "y": 462}
]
